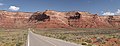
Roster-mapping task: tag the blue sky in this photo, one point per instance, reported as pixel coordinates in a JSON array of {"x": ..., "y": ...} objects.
[{"x": 92, "y": 6}]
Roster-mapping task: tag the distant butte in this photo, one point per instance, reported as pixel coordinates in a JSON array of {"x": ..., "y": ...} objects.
[{"x": 55, "y": 19}]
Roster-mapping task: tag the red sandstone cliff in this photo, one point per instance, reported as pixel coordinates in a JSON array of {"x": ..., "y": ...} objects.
[
  {"x": 13, "y": 19},
  {"x": 55, "y": 19}
]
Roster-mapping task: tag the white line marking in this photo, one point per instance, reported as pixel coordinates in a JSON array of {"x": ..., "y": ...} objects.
[
  {"x": 43, "y": 39},
  {"x": 54, "y": 39},
  {"x": 49, "y": 42},
  {"x": 28, "y": 40}
]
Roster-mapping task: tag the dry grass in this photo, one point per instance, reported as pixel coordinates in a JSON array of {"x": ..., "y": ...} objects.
[
  {"x": 13, "y": 37},
  {"x": 86, "y": 36}
]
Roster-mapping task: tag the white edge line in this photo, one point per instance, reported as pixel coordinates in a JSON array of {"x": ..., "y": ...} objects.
[
  {"x": 28, "y": 40},
  {"x": 61, "y": 40},
  {"x": 43, "y": 39},
  {"x": 49, "y": 42}
]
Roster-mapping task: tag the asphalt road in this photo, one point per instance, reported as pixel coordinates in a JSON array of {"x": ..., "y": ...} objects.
[{"x": 38, "y": 40}]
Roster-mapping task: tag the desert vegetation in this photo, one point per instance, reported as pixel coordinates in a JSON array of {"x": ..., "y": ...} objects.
[
  {"x": 13, "y": 37},
  {"x": 84, "y": 36}
]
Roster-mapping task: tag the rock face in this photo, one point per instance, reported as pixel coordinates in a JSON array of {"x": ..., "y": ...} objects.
[
  {"x": 55, "y": 19},
  {"x": 75, "y": 19},
  {"x": 14, "y": 19}
]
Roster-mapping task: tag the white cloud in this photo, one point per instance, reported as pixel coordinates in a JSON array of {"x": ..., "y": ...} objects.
[
  {"x": 108, "y": 13},
  {"x": 1, "y": 4},
  {"x": 117, "y": 12},
  {"x": 112, "y": 13},
  {"x": 14, "y": 8}
]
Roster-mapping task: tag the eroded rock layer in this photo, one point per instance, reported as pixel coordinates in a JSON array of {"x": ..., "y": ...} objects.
[{"x": 55, "y": 19}]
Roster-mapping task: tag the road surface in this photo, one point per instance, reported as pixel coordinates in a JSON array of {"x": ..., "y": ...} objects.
[{"x": 38, "y": 40}]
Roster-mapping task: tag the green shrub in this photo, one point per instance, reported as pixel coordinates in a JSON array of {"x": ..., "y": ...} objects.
[{"x": 84, "y": 43}]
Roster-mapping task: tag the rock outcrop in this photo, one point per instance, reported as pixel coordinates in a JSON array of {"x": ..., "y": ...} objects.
[
  {"x": 55, "y": 19},
  {"x": 14, "y": 19},
  {"x": 77, "y": 20}
]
